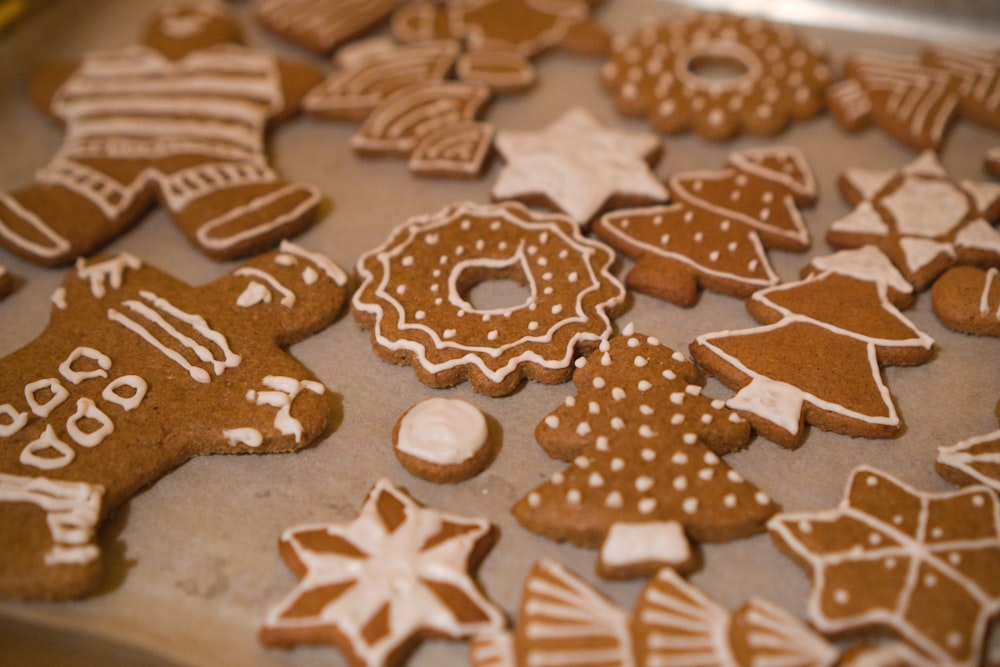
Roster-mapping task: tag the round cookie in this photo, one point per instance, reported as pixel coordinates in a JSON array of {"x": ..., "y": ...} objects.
[
  {"x": 415, "y": 289},
  {"x": 443, "y": 440},
  {"x": 967, "y": 299},
  {"x": 717, "y": 74}
]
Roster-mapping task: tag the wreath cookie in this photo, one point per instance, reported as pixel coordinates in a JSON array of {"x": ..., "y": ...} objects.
[
  {"x": 717, "y": 74},
  {"x": 414, "y": 296}
]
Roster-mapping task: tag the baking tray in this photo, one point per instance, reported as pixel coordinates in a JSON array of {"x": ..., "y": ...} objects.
[{"x": 193, "y": 562}]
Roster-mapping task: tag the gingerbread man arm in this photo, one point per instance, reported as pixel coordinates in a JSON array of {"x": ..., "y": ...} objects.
[{"x": 46, "y": 81}]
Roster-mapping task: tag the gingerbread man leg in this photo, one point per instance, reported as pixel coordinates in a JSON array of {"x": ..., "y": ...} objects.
[
  {"x": 232, "y": 209},
  {"x": 51, "y": 224}
]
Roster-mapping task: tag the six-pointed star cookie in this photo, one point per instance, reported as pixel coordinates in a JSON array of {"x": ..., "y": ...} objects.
[
  {"x": 373, "y": 587},
  {"x": 578, "y": 166},
  {"x": 923, "y": 564},
  {"x": 924, "y": 220}
]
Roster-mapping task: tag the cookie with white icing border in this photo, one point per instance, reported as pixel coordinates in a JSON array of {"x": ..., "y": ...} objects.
[
  {"x": 414, "y": 290},
  {"x": 718, "y": 74},
  {"x": 396, "y": 574},
  {"x": 921, "y": 218},
  {"x": 443, "y": 440},
  {"x": 816, "y": 360},
  {"x": 643, "y": 443},
  {"x": 967, "y": 299},
  {"x": 137, "y": 125},
  {"x": 974, "y": 460},
  {"x": 129, "y": 354},
  {"x": 934, "y": 557},
  {"x": 322, "y": 25}
]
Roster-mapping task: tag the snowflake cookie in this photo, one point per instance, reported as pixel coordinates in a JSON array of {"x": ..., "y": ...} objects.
[
  {"x": 889, "y": 556},
  {"x": 374, "y": 587}
]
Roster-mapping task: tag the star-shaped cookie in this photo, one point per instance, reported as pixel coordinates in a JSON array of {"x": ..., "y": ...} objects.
[
  {"x": 373, "y": 587},
  {"x": 578, "y": 166},
  {"x": 923, "y": 219},
  {"x": 922, "y": 564}
]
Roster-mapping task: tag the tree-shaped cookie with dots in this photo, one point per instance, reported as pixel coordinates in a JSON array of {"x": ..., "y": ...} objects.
[
  {"x": 644, "y": 444},
  {"x": 817, "y": 357},
  {"x": 715, "y": 232}
]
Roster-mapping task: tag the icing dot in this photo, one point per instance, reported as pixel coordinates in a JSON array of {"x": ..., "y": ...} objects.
[
  {"x": 680, "y": 458},
  {"x": 874, "y": 539},
  {"x": 805, "y": 527},
  {"x": 677, "y": 397},
  {"x": 614, "y": 499},
  {"x": 618, "y": 393},
  {"x": 646, "y": 431},
  {"x": 890, "y": 563},
  {"x": 646, "y": 410},
  {"x": 647, "y": 505},
  {"x": 552, "y": 421},
  {"x": 583, "y": 428},
  {"x": 557, "y": 478},
  {"x": 677, "y": 419},
  {"x": 574, "y": 497},
  {"x": 680, "y": 483},
  {"x": 690, "y": 505},
  {"x": 644, "y": 385},
  {"x": 734, "y": 476},
  {"x": 706, "y": 419},
  {"x": 599, "y": 383},
  {"x": 937, "y": 532},
  {"x": 954, "y": 558},
  {"x": 633, "y": 342},
  {"x": 953, "y": 639},
  {"x": 871, "y": 480},
  {"x": 570, "y": 401},
  {"x": 689, "y": 438},
  {"x": 840, "y": 596},
  {"x": 706, "y": 474},
  {"x": 762, "y": 498},
  {"x": 711, "y": 459},
  {"x": 930, "y": 581},
  {"x": 602, "y": 443},
  {"x": 648, "y": 455},
  {"x": 643, "y": 483},
  {"x": 594, "y": 408},
  {"x": 617, "y": 423},
  {"x": 582, "y": 462},
  {"x": 978, "y": 500},
  {"x": 640, "y": 362},
  {"x": 595, "y": 480},
  {"x": 534, "y": 500},
  {"x": 617, "y": 464},
  {"x": 729, "y": 500}
]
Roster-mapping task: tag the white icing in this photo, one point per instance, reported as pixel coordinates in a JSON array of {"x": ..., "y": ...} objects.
[
  {"x": 58, "y": 297},
  {"x": 87, "y": 409},
  {"x": 287, "y": 296},
  {"x": 979, "y": 235},
  {"x": 394, "y": 571},
  {"x": 779, "y": 639},
  {"x": 656, "y": 541},
  {"x": 254, "y": 294},
  {"x": 984, "y": 195},
  {"x": 864, "y": 219},
  {"x": 975, "y": 457},
  {"x": 520, "y": 342},
  {"x": 57, "y": 244},
  {"x": 918, "y": 253},
  {"x": 283, "y": 391},
  {"x": 322, "y": 262},
  {"x": 578, "y": 164},
  {"x": 247, "y": 436},
  {"x": 76, "y": 377},
  {"x": 926, "y": 208},
  {"x": 139, "y": 388},
  {"x": 911, "y": 546},
  {"x": 152, "y": 314},
  {"x": 442, "y": 431},
  {"x": 59, "y": 394},
  {"x": 869, "y": 183},
  {"x": 72, "y": 511},
  {"x": 16, "y": 422},
  {"x": 109, "y": 273},
  {"x": 984, "y": 298},
  {"x": 208, "y": 237},
  {"x": 865, "y": 263},
  {"x": 57, "y": 453}
]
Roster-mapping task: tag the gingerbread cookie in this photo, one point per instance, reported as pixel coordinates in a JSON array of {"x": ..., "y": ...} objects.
[
  {"x": 992, "y": 163},
  {"x": 921, "y": 218},
  {"x": 455, "y": 150},
  {"x": 375, "y": 587},
  {"x": 718, "y": 74},
  {"x": 972, "y": 461},
  {"x": 322, "y": 25},
  {"x": 520, "y": 27},
  {"x": 638, "y": 549},
  {"x": 414, "y": 293},
  {"x": 563, "y": 620},
  {"x": 6, "y": 282},
  {"x": 443, "y": 440},
  {"x": 891, "y": 557},
  {"x": 978, "y": 74},
  {"x": 967, "y": 299},
  {"x": 866, "y": 263},
  {"x": 641, "y": 436},
  {"x": 129, "y": 351},
  {"x": 911, "y": 101},
  {"x": 833, "y": 332},
  {"x": 579, "y": 167},
  {"x": 181, "y": 122},
  {"x": 373, "y": 70}
]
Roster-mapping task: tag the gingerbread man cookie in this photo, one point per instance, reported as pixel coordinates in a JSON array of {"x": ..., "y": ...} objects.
[
  {"x": 717, "y": 74},
  {"x": 414, "y": 296},
  {"x": 924, "y": 220},
  {"x": 891, "y": 557},
  {"x": 374, "y": 587},
  {"x": 179, "y": 120},
  {"x": 89, "y": 410},
  {"x": 643, "y": 442}
]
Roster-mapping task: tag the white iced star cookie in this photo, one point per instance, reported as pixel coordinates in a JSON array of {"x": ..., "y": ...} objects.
[
  {"x": 578, "y": 166},
  {"x": 372, "y": 587}
]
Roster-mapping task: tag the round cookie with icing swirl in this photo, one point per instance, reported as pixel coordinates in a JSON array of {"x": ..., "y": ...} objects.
[
  {"x": 443, "y": 440},
  {"x": 717, "y": 74},
  {"x": 415, "y": 290}
]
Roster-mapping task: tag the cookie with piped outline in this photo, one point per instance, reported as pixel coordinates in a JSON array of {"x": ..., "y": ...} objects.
[{"x": 321, "y": 25}]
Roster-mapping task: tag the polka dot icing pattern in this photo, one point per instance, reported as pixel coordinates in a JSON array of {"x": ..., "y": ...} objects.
[
  {"x": 415, "y": 288},
  {"x": 718, "y": 74},
  {"x": 935, "y": 557}
]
